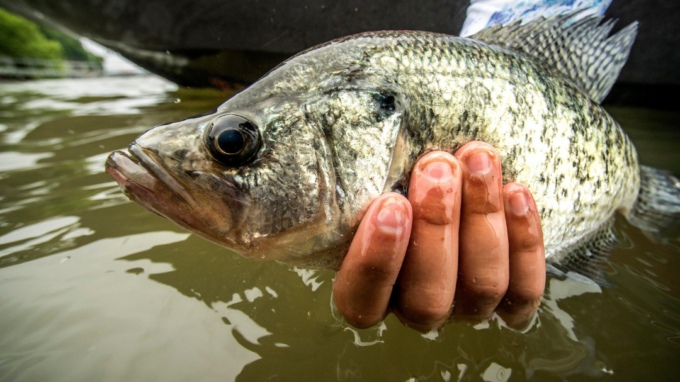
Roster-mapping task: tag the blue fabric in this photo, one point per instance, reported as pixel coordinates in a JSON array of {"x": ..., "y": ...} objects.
[{"x": 485, "y": 13}]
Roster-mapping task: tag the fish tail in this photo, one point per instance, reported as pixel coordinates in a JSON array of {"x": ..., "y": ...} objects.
[{"x": 657, "y": 207}]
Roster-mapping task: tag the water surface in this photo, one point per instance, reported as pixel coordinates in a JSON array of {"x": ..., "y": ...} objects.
[{"x": 93, "y": 287}]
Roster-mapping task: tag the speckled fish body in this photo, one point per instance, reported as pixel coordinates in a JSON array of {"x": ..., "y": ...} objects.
[{"x": 344, "y": 122}]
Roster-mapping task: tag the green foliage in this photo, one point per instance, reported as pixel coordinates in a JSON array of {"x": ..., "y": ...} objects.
[
  {"x": 73, "y": 49},
  {"x": 22, "y": 38}
]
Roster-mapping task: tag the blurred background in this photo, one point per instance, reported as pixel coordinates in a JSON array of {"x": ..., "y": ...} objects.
[{"x": 226, "y": 44}]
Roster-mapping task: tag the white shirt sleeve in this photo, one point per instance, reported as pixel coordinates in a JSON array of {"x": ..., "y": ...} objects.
[{"x": 485, "y": 13}]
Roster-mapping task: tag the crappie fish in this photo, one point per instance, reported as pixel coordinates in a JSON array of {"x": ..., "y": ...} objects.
[{"x": 286, "y": 169}]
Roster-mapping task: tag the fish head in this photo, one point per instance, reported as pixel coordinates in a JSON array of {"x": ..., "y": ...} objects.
[
  {"x": 255, "y": 182},
  {"x": 282, "y": 171}
]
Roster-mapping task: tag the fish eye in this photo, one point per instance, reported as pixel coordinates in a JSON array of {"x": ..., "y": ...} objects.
[
  {"x": 233, "y": 140},
  {"x": 230, "y": 142}
]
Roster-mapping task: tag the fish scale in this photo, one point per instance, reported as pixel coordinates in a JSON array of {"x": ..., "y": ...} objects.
[
  {"x": 487, "y": 97},
  {"x": 343, "y": 122},
  {"x": 566, "y": 129}
]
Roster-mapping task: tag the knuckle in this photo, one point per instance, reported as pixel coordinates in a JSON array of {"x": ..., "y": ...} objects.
[
  {"x": 376, "y": 270},
  {"x": 528, "y": 294},
  {"x": 481, "y": 195},
  {"x": 426, "y": 304},
  {"x": 434, "y": 212},
  {"x": 480, "y": 203},
  {"x": 425, "y": 314},
  {"x": 528, "y": 243},
  {"x": 487, "y": 293}
]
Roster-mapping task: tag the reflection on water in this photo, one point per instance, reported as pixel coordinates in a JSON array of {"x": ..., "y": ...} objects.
[{"x": 93, "y": 287}]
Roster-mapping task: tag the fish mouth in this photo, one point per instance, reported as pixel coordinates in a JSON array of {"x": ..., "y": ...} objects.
[{"x": 143, "y": 181}]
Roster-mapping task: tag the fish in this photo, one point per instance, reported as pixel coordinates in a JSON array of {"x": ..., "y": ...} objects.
[{"x": 285, "y": 169}]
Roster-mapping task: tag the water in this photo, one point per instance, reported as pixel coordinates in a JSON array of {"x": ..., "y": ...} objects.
[{"x": 93, "y": 287}]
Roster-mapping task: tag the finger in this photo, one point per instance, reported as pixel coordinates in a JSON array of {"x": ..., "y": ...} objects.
[
  {"x": 483, "y": 258},
  {"x": 427, "y": 281},
  {"x": 527, "y": 257},
  {"x": 367, "y": 275}
]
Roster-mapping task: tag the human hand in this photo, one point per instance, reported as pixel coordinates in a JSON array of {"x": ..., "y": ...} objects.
[{"x": 461, "y": 246}]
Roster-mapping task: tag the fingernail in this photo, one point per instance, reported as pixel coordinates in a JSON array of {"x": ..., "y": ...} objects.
[
  {"x": 392, "y": 216},
  {"x": 519, "y": 204},
  {"x": 437, "y": 172},
  {"x": 479, "y": 163}
]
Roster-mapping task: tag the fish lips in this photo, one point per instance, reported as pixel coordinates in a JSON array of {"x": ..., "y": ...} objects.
[{"x": 141, "y": 185}]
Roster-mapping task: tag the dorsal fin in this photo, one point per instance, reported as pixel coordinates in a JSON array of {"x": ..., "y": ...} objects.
[{"x": 579, "y": 49}]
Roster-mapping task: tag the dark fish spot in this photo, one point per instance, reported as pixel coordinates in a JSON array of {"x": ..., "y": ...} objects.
[
  {"x": 386, "y": 102},
  {"x": 180, "y": 154}
]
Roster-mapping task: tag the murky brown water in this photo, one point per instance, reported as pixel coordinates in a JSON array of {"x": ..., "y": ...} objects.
[{"x": 93, "y": 287}]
